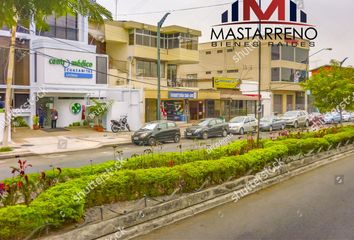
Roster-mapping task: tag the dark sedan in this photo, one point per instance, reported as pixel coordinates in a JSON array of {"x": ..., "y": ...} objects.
[
  {"x": 272, "y": 123},
  {"x": 210, "y": 127},
  {"x": 159, "y": 131}
]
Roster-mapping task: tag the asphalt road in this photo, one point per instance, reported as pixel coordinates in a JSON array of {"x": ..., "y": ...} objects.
[
  {"x": 308, "y": 207},
  {"x": 82, "y": 158}
]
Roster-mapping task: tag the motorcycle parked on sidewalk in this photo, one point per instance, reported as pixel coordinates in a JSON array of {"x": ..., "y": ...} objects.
[{"x": 120, "y": 125}]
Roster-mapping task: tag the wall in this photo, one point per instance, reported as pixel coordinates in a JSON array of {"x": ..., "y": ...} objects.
[
  {"x": 65, "y": 117},
  {"x": 125, "y": 103}
]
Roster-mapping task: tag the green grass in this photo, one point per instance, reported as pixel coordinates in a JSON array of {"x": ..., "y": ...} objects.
[{"x": 6, "y": 149}]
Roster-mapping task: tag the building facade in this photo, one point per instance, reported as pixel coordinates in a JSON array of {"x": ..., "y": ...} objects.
[
  {"x": 132, "y": 49},
  {"x": 233, "y": 69},
  {"x": 59, "y": 69}
]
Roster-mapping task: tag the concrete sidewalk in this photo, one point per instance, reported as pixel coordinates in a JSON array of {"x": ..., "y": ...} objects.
[
  {"x": 32, "y": 142},
  {"x": 27, "y": 141}
]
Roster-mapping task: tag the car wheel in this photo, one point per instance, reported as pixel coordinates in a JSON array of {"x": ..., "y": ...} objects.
[
  {"x": 270, "y": 129},
  {"x": 177, "y": 139},
  {"x": 224, "y": 133},
  {"x": 307, "y": 123},
  {"x": 152, "y": 141},
  {"x": 296, "y": 124},
  {"x": 242, "y": 131},
  {"x": 205, "y": 135}
]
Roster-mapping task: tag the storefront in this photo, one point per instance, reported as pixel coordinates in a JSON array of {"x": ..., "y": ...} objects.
[{"x": 68, "y": 81}]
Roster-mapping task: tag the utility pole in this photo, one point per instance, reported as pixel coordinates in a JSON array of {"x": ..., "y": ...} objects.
[
  {"x": 259, "y": 109},
  {"x": 159, "y": 25}
]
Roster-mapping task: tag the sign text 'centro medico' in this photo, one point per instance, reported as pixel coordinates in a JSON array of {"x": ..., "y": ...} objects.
[
  {"x": 226, "y": 83},
  {"x": 274, "y": 21},
  {"x": 74, "y": 69},
  {"x": 182, "y": 95}
]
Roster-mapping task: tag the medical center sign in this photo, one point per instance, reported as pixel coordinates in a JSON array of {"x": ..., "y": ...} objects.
[
  {"x": 276, "y": 21},
  {"x": 74, "y": 69}
]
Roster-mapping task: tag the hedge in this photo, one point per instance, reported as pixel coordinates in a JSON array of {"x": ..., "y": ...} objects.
[{"x": 57, "y": 205}]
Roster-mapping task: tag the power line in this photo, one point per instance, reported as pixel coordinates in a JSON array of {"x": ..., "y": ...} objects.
[{"x": 176, "y": 10}]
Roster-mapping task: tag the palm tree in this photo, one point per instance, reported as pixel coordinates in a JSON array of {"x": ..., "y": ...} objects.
[{"x": 11, "y": 11}]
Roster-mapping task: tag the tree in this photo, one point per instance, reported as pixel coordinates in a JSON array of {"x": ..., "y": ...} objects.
[
  {"x": 11, "y": 11},
  {"x": 332, "y": 88}
]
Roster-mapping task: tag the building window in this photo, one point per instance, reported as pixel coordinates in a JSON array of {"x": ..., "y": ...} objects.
[
  {"x": 208, "y": 52},
  {"x": 232, "y": 71},
  {"x": 220, "y": 71},
  {"x": 275, "y": 74},
  {"x": 20, "y": 100},
  {"x": 101, "y": 67},
  {"x": 148, "y": 69},
  {"x": 208, "y": 72},
  {"x": 65, "y": 27},
  {"x": 287, "y": 75},
  {"x": 219, "y": 51},
  {"x": 275, "y": 53},
  {"x": 230, "y": 50},
  {"x": 22, "y": 61},
  {"x": 168, "y": 41},
  {"x": 301, "y": 55},
  {"x": 287, "y": 53},
  {"x": 192, "y": 83}
]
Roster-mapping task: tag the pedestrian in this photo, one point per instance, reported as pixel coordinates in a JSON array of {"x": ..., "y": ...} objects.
[
  {"x": 54, "y": 116},
  {"x": 41, "y": 115}
]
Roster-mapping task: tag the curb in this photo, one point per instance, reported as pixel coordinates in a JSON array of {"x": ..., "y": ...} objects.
[
  {"x": 146, "y": 227},
  {"x": 29, "y": 154}
]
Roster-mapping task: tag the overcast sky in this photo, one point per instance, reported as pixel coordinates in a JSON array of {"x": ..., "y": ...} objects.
[{"x": 334, "y": 21}]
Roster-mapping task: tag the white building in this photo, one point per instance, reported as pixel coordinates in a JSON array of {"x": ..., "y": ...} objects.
[{"x": 59, "y": 70}]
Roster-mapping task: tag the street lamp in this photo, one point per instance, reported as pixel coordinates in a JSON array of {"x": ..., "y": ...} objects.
[
  {"x": 159, "y": 25},
  {"x": 307, "y": 62},
  {"x": 342, "y": 62}
]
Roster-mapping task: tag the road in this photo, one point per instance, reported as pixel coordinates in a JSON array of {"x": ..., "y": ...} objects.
[
  {"x": 82, "y": 158},
  {"x": 308, "y": 207}
]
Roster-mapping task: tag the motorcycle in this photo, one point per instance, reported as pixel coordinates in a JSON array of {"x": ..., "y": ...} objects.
[{"x": 120, "y": 125}]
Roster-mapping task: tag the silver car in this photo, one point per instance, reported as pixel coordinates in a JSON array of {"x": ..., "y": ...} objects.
[
  {"x": 242, "y": 125},
  {"x": 296, "y": 118}
]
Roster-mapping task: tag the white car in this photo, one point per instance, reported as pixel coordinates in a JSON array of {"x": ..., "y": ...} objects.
[
  {"x": 242, "y": 125},
  {"x": 347, "y": 117}
]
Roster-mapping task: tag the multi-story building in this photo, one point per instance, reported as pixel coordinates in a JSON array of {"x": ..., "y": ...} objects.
[
  {"x": 233, "y": 69},
  {"x": 59, "y": 69},
  {"x": 132, "y": 48}
]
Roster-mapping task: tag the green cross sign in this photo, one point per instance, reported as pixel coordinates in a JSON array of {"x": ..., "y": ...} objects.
[{"x": 75, "y": 108}]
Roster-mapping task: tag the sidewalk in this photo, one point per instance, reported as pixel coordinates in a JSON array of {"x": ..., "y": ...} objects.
[
  {"x": 27, "y": 141},
  {"x": 32, "y": 142}
]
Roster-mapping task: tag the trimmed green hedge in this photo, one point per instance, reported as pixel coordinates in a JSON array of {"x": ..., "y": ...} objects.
[{"x": 58, "y": 206}]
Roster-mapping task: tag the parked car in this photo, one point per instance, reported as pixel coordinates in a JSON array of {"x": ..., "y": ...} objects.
[
  {"x": 158, "y": 131},
  {"x": 346, "y": 116},
  {"x": 242, "y": 125},
  {"x": 296, "y": 118},
  {"x": 272, "y": 123},
  {"x": 210, "y": 127},
  {"x": 316, "y": 118},
  {"x": 331, "y": 118}
]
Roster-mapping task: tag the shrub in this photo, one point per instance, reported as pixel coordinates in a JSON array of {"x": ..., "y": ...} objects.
[
  {"x": 58, "y": 205},
  {"x": 6, "y": 149}
]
